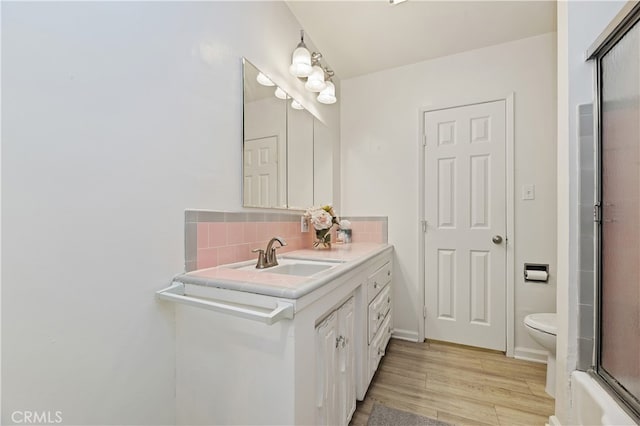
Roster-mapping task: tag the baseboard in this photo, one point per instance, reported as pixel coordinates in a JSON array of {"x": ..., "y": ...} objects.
[
  {"x": 554, "y": 421},
  {"x": 409, "y": 335},
  {"x": 528, "y": 354}
]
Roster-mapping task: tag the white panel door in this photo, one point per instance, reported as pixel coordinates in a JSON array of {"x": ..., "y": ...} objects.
[
  {"x": 465, "y": 210},
  {"x": 261, "y": 172}
]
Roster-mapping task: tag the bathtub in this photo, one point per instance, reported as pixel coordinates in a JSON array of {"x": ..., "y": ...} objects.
[{"x": 592, "y": 405}]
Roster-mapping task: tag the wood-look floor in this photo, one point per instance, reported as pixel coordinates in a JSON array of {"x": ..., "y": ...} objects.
[{"x": 459, "y": 385}]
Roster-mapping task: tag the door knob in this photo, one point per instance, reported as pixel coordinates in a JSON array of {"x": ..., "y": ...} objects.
[{"x": 497, "y": 239}]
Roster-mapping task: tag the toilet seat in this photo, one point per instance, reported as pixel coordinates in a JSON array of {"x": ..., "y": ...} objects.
[{"x": 545, "y": 323}]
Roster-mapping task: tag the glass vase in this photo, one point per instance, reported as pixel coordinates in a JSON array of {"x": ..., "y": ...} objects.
[{"x": 323, "y": 239}]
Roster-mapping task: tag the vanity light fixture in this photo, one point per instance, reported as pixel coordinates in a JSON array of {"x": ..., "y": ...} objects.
[
  {"x": 264, "y": 80},
  {"x": 296, "y": 105},
  {"x": 301, "y": 59},
  {"x": 307, "y": 65},
  {"x": 281, "y": 94}
]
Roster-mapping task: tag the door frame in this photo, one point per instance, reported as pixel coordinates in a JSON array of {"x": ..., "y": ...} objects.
[{"x": 510, "y": 234}]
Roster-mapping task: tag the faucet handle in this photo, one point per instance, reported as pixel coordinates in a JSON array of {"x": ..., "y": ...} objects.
[
  {"x": 272, "y": 260},
  {"x": 261, "y": 258}
]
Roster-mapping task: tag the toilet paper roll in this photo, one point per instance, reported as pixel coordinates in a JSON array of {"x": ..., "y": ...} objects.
[{"x": 536, "y": 275}]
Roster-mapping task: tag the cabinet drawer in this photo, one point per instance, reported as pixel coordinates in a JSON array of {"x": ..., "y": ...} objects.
[
  {"x": 379, "y": 344},
  {"x": 378, "y": 280},
  {"x": 378, "y": 310}
]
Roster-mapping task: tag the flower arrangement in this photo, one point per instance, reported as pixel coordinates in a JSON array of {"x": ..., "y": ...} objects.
[{"x": 322, "y": 219}]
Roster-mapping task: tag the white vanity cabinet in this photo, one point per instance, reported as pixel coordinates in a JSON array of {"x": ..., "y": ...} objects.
[
  {"x": 335, "y": 366},
  {"x": 305, "y": 368},
  {"x": 378, "y": 319}
]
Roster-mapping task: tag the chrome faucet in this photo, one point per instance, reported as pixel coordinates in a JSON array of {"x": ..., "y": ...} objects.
[{"x": 267, "y": 258}]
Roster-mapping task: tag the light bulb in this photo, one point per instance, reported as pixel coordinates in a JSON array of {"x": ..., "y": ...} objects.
[
  {"x": 281, "y": 94},
  {"x": 328, "y": 95},
  {"x": 315, "y": 81},
  {"x": 300, "y": 62},
  {"x": 296, "y": 105},
  {"x": 264, "y": 80}
]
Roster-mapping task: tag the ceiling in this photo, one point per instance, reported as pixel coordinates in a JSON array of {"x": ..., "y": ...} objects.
[{"x": 361, "y": 37}]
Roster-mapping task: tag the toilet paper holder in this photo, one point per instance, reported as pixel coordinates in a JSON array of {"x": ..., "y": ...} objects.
[{"x": 538, "y": 272}]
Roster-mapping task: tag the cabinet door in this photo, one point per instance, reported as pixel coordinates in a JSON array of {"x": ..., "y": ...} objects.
[
  {"x": 346, "y": 364},
  {"x": 326, "y": 366}
]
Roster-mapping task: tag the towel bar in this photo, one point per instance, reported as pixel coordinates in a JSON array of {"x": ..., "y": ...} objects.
[{"x": 176, "y": 293}]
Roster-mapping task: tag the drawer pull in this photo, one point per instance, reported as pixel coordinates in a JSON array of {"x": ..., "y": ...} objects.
[
  {"x": 379, "y": 315},
  {"x": 389, "y": 299},
  {"x": 340, "y": 341},
  {"x": 375, "y": 284},
  {"x": 389, "y": 273},
  {"x": 389, "y": 329},
  {"x": 381, "y": 352}
]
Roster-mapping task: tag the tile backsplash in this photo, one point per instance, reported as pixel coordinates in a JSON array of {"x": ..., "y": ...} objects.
[
  {"x": 368, "y": 229},
  {"x": 215, "y": 238}
]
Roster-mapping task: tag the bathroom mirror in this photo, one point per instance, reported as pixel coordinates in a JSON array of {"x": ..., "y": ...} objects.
[
  {"x": 300, "y": 158},
  {"x": 323, "y": 139},
  {"x": 264, "y": 146},
  {"x": 287, "y": 152}
]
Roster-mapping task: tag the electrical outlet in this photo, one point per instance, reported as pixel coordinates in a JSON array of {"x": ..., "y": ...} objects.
[{"x": 304, "y": 224}]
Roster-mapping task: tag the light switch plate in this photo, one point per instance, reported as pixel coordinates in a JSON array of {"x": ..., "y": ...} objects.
[
  {"x": 528, "y": 192},
  {"x": 304, "y": 224}
]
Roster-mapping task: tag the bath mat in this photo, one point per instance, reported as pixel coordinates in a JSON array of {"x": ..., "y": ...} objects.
[{"x": 384, "y": 416}]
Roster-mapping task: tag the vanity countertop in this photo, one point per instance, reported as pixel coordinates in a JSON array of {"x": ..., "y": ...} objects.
[{"x": 347, "y": 256}]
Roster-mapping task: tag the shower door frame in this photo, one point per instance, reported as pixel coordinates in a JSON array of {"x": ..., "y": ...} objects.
[{"x": 615, "y": 31}]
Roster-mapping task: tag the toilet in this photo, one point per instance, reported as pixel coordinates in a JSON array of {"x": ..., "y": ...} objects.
[{"x": 543, "y": 329}]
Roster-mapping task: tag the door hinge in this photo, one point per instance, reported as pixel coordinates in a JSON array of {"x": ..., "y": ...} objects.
[
  {"x": 424, "y": 140},
  {"x": 424, "y": 311},
  {"x": 424, "y": 226},
  {"x": 597, "y": 213}
]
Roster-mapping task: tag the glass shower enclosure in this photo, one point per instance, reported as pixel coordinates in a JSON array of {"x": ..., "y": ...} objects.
[{"x": 617, "y": 214}]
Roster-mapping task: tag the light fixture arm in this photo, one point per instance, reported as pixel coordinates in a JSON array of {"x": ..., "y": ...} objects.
[
  {"x": 315, "y": 58},
  {"x": 328, "y": 73},
  {"x": 301, "y": 44}
]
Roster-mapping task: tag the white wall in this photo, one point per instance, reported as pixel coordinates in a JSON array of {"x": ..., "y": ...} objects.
[
  {"x": 579, "y": 24},
  {"x": 380, "y": 158},
  {"x": 116, "y": 117}
]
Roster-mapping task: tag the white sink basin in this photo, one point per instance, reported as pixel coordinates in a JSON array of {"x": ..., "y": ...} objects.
[{"x": 301, "y": 268}]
